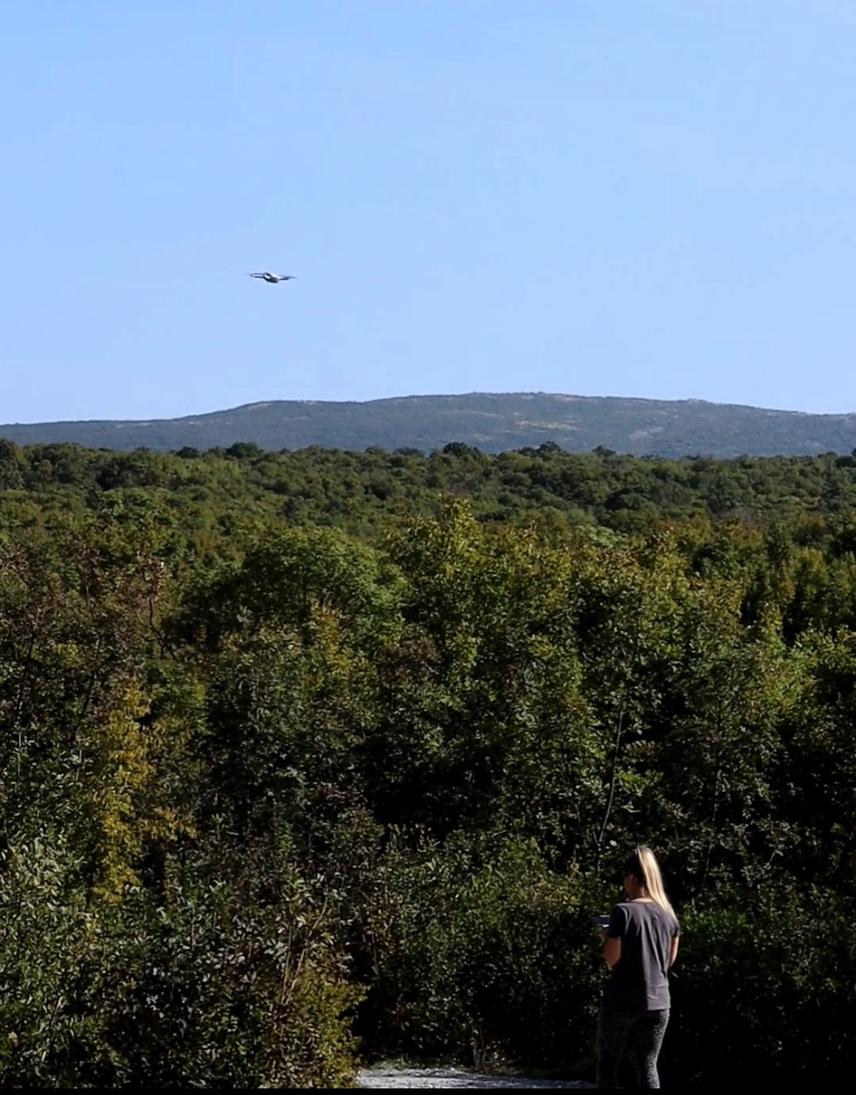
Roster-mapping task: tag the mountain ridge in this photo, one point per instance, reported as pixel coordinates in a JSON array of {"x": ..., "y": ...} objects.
[{"x": 491, "y": 421}]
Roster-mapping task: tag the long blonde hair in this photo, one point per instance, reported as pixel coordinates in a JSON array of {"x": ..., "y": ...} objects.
[{"x": 643, "y": 865}]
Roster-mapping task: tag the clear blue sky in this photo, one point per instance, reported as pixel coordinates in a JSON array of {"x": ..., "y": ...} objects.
[{"x": 642, "y": 197}]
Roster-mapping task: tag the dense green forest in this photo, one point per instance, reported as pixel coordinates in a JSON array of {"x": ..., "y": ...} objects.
[{"x": 322, "y": 756}]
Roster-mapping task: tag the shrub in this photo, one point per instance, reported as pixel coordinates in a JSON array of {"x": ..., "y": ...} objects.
[
  {"x": 768, "y": 984},
  {"x": 481, "y": 953},
  {"x": 214, "y": 983}
]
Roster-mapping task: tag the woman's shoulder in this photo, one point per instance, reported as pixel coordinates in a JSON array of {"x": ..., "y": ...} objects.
[
  {"x": 648, "y": 908},
  {"x": 669, "y": 917}
]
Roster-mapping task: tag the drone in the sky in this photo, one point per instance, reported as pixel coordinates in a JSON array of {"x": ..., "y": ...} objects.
[{"x": 273, "y": 279}]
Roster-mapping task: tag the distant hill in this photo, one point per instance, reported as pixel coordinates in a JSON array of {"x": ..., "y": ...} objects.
[{"x": 490, "y": 422}]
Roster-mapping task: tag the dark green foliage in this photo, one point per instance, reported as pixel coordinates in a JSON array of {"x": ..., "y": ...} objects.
[
  {"x": 217, "y": 979},
  {"x": 479, "y": 950},
  {"x": 767, "y": 983},
  {"x": 217, "y": 495}
]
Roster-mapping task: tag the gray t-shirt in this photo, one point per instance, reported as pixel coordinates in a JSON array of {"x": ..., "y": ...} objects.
[{"x": 640, "y": 980}]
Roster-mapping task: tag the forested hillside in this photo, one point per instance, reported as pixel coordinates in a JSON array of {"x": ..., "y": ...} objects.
[
  {"x": 492, "y": 421},
  {"x": 316, "y": 754}
]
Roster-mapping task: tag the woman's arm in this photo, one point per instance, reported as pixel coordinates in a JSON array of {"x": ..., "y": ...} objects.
[
  {"x": 612, "y": 936},
  {"x": 674, "y": 954},
  {"x": 612, "y": 952}
]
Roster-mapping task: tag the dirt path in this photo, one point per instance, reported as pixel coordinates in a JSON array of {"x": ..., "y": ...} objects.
[{"x": 452, "y": 1077}]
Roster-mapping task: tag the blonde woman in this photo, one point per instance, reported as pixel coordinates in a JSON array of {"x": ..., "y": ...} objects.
[{"x": 640, "y": 944}]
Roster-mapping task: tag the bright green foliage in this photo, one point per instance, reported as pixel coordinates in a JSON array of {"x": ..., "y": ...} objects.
[{"x": 267, "y": 783}]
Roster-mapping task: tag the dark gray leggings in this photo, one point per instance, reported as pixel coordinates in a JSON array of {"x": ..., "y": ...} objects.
[{"x": 636, "y": 1034}]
